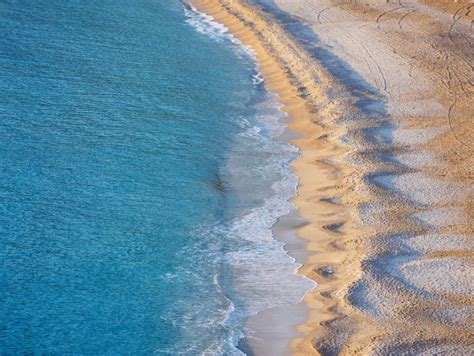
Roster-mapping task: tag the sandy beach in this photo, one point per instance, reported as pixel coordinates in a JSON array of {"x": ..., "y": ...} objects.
[{"x": 380, "y": 94}]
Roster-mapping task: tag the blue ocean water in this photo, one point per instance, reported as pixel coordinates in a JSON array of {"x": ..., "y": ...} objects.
[{"x": 141, "y": 173}]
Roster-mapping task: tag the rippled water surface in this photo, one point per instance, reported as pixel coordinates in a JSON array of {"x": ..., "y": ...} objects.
[{"x": 139, "y": 181}]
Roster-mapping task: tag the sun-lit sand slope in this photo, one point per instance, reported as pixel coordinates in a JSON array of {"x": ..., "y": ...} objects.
[
  {"x": 408, "y": 70},
  {"x": 382, "y": 96}
]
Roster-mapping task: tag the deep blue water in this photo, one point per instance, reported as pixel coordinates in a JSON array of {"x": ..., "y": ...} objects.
[{"x": 137, "y": 181}]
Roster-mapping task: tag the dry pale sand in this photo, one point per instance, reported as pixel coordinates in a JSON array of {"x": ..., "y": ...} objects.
[{"x": 381, "y": 95}]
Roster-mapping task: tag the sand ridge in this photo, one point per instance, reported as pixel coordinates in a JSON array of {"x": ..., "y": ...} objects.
[
  {"x": 416, "y": 60},
  {"x": 320, "y": 181},
  {"x": 383, "y": 108}
]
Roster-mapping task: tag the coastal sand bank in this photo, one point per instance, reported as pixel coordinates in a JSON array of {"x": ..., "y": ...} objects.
[{"x": 380, "y": 94}]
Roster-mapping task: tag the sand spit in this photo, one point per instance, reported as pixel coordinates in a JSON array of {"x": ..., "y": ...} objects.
[{"x": 381, "y": 95}]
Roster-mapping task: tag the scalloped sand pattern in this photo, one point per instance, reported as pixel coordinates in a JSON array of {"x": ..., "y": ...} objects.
[{"x": 381, "y": 96}]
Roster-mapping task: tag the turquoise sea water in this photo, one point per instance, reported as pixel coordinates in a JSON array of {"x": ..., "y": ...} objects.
[{"x": 140, "y": 176}]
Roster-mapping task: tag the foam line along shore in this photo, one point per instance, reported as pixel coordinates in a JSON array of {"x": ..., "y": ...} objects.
[{"x": 258, "y": 275}]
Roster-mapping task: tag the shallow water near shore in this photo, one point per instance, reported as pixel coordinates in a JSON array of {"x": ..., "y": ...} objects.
[{"x": 142, "y": 174}]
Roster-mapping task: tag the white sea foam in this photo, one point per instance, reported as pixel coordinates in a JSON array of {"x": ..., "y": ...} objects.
[
  {"x": 263, "y": 274},
  {"x": 258, "y": 274},
  {"x": 205, "y": 24},
  {"x": 268, "y": 172},
  {"x": 257, "y": 79},
  {"x": 208, "y": 26}
]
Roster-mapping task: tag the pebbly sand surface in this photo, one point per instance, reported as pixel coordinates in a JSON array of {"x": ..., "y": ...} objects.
[{"x": 381, "y": 94}]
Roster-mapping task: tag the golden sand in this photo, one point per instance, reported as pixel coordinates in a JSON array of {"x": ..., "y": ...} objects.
[{"x": 349, "y": 247}]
